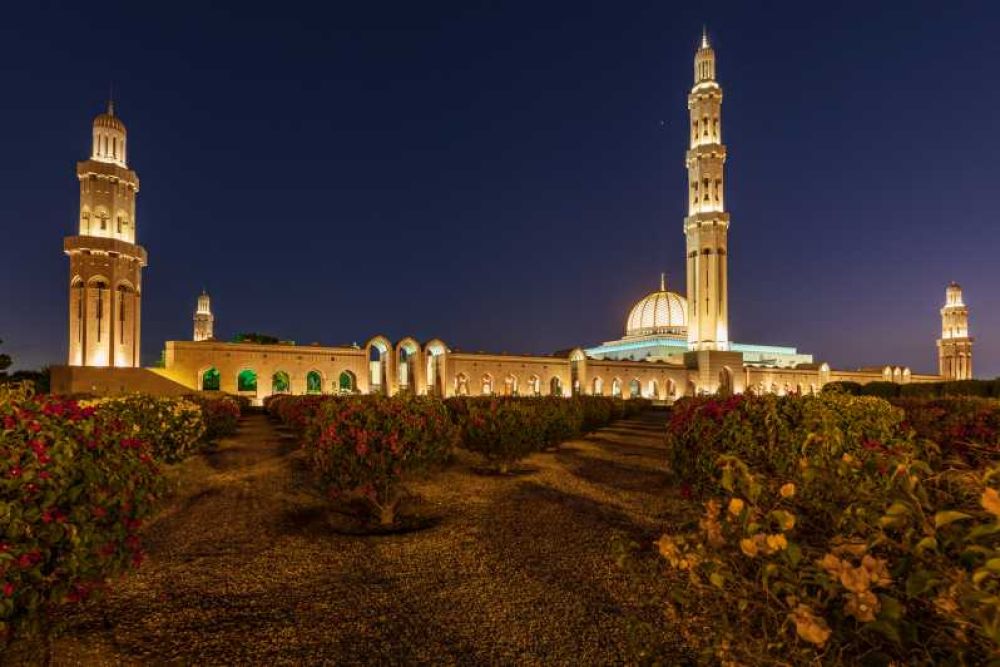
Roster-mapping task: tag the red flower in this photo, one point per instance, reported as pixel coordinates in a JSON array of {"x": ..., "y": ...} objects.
[
  {"x": 9, "y": 422},
  {"x": 99, "y": 512},
  {"x": 15, "y": 471},
  {"x": 34, "y": 426},
  {"x": 8, "y": 589}
]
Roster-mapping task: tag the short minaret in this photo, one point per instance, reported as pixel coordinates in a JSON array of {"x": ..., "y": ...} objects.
[
  {"x": 707, "y": 223},
  {"x": 204, "y": 321},
  {"x": 105, "y": 288},
  {"x": 955, "y": 345}
]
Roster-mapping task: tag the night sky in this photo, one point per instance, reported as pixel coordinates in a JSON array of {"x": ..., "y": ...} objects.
[{"x": 510, "y": 176}]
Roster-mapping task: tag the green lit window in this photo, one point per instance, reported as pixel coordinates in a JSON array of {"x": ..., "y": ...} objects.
[
  {"x": 314, "y": 382},
  {"x": 211, "y": 381},
  {"x": 246, "y": 381},
  {"x": 280, "y": 383}
]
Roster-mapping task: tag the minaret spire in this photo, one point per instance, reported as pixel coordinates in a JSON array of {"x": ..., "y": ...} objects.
[
  {"x": 663, "y": 282},
  {"x": 704, "y": 37},
  {"x": 111, "y": 99}
]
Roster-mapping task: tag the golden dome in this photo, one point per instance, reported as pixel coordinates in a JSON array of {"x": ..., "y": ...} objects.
[
  {"x": 109, "y": 119},
  {"x": 659, "y": 312}
]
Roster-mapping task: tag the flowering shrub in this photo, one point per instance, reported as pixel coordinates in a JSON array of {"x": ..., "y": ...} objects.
[
  {"x": 597, "y": 412},
  {"x": 503, "y": 431},
  {"x": 297, "y": 412},
  {"x": 772, "y": 434},
  {"x": 75, "y": 486},
  {"x": 172, "y": 426},
  {"x": 843, "y": 550},
  {"x": 964, "y": 428},
  {"x": 366, "y": 447},
  {"x": 221, "y": 414},
  {"x": 560, "y": 419},
  {"x": 505, "y": 434}
]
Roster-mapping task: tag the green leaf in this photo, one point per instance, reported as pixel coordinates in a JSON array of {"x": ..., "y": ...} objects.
[
  {"x": 918, "y": 582},
  {"x": 926, "y": 544},
  {"x": 984, "y": 530},
  {"x": 897, "y": 509},
  {"x": 727, "y": 479},
  {"x": 717, "y": 579},
  {"x": 950, "y": 516},
  {"x": 891, "y": 608},
  {"x": 884, "y": 628}
]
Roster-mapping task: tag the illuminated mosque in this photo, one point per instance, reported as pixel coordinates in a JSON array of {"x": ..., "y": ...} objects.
[{"x": 672, "y": 346}]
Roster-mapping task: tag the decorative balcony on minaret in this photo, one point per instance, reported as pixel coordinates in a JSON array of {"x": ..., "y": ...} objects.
[
  {"x": 105, "y": 287},
  {"x": 955, "y": 345},
  {"x": 706, "y": 226}
]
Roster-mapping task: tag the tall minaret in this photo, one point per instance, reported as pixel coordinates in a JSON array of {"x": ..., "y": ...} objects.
[
  {"x": 203, "y": 318},
  {"x": 707, "y": 224},
  {"x": 105, "y": 285},
  {"x": 955, "y": 345}
]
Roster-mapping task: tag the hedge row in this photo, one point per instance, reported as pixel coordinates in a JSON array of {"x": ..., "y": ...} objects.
[
  {"x": 505, "y": 430},
  {"x": 76, "y": 484},
  {"x": 365, "y": 446},
  {"x": 825, "y": 537},
  {"x": 977, "y": 388},
  {"x": 960, "y": 430}
]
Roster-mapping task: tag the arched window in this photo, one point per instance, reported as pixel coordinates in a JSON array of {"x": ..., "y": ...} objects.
[
  {"x": 616, "y": 388},
  {"x": 280, "y": 384},
  {"x": 314, "y": 382},
  {"x": 555, "y": 386},
  {"x": 210, "y": 380},
  {"x": 634, "y": 388},
  {"x": 246, "y": 380},
  {"x": 487, "y": 385},
  {"x": 345, "y": 383},
  {"x": 598, "y": 386},
  {"x": 122, "y": 291},
  {"x": 461, "y": 384}
]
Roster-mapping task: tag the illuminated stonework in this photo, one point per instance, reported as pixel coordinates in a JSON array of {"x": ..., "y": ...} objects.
[
  {"x": 707, "y": 225},
  {"x": 204, "y": 320},
  {"x": 105, "y": 287},
  {"x": 955, "y": 345},
  {"x": 672, "y": 347}
]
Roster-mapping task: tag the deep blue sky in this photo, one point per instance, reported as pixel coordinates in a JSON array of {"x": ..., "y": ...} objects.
[{"x": 510, "y": 176}]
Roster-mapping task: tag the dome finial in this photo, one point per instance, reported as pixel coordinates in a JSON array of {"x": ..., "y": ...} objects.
[
  {"x": 663, "y": 282},
  {"x": 704, "y": 36},
  {"x": 111, "y": 99}
]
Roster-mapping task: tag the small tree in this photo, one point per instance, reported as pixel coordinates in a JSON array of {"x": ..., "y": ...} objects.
[
  {"x": 504, "y": 432},
  {"x": 367, "y": 447}
]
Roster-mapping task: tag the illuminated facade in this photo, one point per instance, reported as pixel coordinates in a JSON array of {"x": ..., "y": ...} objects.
[
  {"x": 706, "y": 226},
  {"x": 955, "y": 345},
  {"x": 105, "y": 287},
  {"x": 204, "y": 321},
  {"x": 672, "y": 346}
]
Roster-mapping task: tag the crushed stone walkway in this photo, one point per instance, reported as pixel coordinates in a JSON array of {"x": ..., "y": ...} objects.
[{"x": 244, "y": 569}]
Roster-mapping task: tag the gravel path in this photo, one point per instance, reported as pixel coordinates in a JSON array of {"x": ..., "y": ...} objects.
[{"x": 243, "y": 567}]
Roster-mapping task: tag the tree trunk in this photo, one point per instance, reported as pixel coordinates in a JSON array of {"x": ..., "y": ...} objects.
[{"x": 387, "y": 515}]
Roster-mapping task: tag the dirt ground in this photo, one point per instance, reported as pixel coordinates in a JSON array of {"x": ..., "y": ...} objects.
[{"x": 244, "y": 568}]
